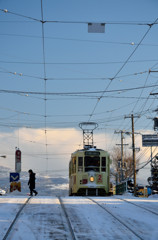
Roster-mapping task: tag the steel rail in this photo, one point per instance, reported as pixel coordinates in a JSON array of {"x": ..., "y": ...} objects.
[
  {"x": 15, "y": 219},
  {"x": 138, "y": 206},
  {"x": 74, "y": 237},
  {"x": 118, "y": 219}
]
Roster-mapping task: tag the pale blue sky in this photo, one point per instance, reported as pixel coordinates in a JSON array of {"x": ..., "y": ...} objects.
[{"x": 77, "y": 62}]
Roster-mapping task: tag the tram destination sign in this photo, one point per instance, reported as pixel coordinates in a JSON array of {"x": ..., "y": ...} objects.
[
  {"x": 94, "y": 153},
  {"x": 150, "y": 140}
]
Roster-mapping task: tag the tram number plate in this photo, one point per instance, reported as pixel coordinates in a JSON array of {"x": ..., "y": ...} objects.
[{"x": 99, "y": 179}]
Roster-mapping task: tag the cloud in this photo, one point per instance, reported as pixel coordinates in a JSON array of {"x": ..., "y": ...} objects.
[
  {"x": 60, "y": 144},
  {"x": 40, "y": 151}
]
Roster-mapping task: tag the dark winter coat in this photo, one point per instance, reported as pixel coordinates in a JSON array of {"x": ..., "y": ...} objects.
[{"x": 31, "y": 181}]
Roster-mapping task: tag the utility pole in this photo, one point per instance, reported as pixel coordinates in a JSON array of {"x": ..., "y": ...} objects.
[
  {"x": 122, "y": 153},
  {"x": 134, "y": 152},
  {"x": 134, "y": 155}
]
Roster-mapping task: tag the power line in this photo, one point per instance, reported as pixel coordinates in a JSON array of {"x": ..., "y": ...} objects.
[
  {"x": 78, "y": 40},
  {"x": 141, "y": 93},
  {"x": 76, "y": 93},
  {"x": 143, "y": 106},
  {"x": 19, "y": 15},
  {"x": 124, "y": 64},
  {"x": 78, "y": 63},
  {"x": 69, "y": 78},
  {"x": 145, "y": 99},
  {"x": 80, "y": 22}
]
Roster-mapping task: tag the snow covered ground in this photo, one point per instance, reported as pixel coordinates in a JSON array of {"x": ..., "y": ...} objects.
[
  {"x": 43, "y": 217},
  {"x": 47, "y": 183}
]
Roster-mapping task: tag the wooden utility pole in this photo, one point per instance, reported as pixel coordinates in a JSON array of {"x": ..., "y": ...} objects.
[
  {"x": 122, "y": 153},
  {"x": 134, "y": 151},
  {"x": 134, "y": 155}
]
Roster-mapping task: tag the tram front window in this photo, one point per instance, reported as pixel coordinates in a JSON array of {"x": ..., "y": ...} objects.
[{"x": 92, "y": 163}]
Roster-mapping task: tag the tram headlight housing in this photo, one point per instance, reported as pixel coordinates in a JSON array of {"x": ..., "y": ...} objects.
[{"x": 91, "y": 179}]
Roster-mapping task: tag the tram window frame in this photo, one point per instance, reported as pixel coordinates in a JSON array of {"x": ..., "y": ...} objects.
[
  {"x": 80, "y": 164},
  {"x": 94, "y": 167},
  {"x": 103, "y": 164}
]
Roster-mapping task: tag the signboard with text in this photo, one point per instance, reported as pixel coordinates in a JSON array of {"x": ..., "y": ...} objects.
[
  {"x": 18, "y": 161},
  {"x": 150, "y": 140}
]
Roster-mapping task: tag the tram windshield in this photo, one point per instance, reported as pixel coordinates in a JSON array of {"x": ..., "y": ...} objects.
[{"x": 92, "y": 163}]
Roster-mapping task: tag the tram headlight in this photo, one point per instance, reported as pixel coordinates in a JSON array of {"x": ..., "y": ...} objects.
[{"x": 91, "y": 179}]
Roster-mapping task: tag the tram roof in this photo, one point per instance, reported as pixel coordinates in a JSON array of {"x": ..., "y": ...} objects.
[{"x": 89, "y": 150}]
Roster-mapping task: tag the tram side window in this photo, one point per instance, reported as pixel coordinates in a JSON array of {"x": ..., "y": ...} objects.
[
  {"x": 80, "y": 164},
  {"x": 103, "y": 164},
  {"x": 74, "y": 165}
]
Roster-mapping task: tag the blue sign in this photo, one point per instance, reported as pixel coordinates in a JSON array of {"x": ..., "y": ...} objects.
[{"x": 14, "y": 177}]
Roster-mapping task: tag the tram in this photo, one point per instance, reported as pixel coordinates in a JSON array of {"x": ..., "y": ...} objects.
[{"x": 89, "y": 172}]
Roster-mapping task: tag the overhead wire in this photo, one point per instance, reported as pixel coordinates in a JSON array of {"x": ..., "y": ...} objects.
[
  {"x": 75, "y": 39},
  {"x": 142, "y": 99},
  {"x": 122, "y": 67},
  {"x": 79, "y": 63},
  {"x": 77, "y": 93},
  {"x": 44, "y": 22},
  {"x": 149, "y": 97},
  {"x": 69, "y": 78},
  {"x": 124, "y": 64},
  {"x": 149, "y": 160},
  {"x": 19, "y": 15},
  {"x": 79, "y": 22},
  {"x": 45, "y": 84}
]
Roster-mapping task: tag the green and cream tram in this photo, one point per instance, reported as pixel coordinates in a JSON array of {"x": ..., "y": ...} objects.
[{"x": 89, "y": 172}]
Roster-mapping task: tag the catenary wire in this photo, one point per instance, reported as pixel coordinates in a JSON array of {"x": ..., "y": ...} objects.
[{"x": 122, "y": 67}]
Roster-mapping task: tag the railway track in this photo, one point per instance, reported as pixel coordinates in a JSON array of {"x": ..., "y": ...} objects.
[
  {"x": 13, "y": 223},
  {"x": 117, "y": 218},
  {"x": 62, "y": 220},
  {"x": 15, "y": 219},
  {"x": 74, "y": 237},
  {"x": 146, "y": 209}
]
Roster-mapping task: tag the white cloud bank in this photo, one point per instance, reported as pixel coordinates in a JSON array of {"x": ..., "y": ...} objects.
[{"x": 60, "y": 144}]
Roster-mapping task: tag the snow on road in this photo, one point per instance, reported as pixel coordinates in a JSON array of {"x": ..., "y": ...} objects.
[
  {"x": 8, "y": 209},
  {"x": 91, "y": 222},
  {"x": 142, "y": 222},
  {"x": 145, "y": 202},
  {"x": 43, "y": 218}
]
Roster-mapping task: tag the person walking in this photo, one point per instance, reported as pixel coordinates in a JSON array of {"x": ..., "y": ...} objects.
[{"x": 31, "y": 183}]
